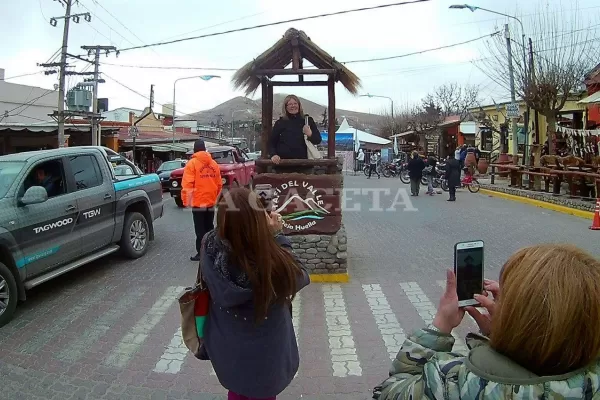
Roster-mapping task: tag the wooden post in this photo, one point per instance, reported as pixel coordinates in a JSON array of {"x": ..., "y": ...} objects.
[
  {"x": 331, "y": 116},
  {"x": 536, "y": 153},
  {"x": 264, "y": 139}
]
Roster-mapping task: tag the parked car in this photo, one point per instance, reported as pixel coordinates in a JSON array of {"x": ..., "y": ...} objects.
[
  {"x": 165, "y": 169},
  {"x": 237, "y": 169},
  {"x": 63, "y": 208}
]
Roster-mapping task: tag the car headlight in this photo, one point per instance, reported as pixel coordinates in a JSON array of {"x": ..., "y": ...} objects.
[
  {"x": 223, "y": 180},
  {"x": 174, "y": 184}
]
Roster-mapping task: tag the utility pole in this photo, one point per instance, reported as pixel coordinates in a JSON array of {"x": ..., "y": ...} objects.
[
  {"x": 96, "y": 139},
  {"x": 514, "y": 119},
  {"x": 62, "y": 65}
]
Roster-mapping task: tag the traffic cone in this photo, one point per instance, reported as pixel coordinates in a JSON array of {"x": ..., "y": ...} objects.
[{"x": 596, "y": 221}]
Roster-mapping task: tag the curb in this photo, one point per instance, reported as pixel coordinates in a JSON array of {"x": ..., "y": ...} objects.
[
  {"x": 329, "y": 278},
  {"x": 539, "y": 203}
]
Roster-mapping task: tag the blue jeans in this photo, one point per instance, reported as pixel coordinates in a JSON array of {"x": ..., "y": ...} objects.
[{"x": 429, "y": 184}]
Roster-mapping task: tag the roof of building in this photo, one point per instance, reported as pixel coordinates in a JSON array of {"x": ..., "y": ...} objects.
[{"x": 280, "y": 55}]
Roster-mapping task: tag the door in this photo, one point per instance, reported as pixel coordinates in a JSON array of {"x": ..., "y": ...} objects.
[
  {"x": 95, "y": 200},
  {"x": 241, "y": 169},
  {"x": 46, "y": 231}
]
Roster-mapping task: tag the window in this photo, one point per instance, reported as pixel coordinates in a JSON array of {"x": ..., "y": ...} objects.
[
  {"x": 86, "y": 171},
  {"x": 9, "y": 171},
  {"x": 223, "y": 157},
  {"x": 50, "y": 175},
  {"x": 170, "y": 166}
]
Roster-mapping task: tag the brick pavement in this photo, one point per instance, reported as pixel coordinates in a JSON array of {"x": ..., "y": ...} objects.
[{"x": 110, "y": 329}]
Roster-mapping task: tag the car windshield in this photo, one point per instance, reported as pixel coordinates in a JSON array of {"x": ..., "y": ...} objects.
[
  {"x": 223, "y": 157},
  {"x": 169, "y": 166},
  {"x": 9, "y": 170}
]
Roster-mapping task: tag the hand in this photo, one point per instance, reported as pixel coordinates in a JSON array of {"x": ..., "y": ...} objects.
[
  {"x": 449, "y": 314},
  {"x": 275, "y": 221},
  {"x": 275, "y": 159},
  {"x": 307, "y": 131},
  {"x": 484, "y": 321}
]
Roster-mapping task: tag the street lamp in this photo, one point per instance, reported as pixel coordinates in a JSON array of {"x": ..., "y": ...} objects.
[
  {"x": 232, "y": 114},
  {"x": 525, "y": 67},
  {"x": 203, "y": 77}
]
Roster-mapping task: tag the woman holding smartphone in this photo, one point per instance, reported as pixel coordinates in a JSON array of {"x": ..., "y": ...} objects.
[
  {"x": 287, "y": 137},
  {"x": 542, "y": 335}
]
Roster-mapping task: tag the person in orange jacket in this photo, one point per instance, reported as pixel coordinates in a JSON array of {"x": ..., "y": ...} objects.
[{"x": 200, "y": 188}]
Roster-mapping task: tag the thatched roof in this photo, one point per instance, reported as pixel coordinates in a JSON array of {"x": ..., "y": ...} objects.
[{"x": 280, "y": 55}]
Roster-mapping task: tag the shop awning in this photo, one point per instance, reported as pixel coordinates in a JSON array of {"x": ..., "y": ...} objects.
[
  {"x": 592, "y": 99},
  {"x": 167, "y": 148}
]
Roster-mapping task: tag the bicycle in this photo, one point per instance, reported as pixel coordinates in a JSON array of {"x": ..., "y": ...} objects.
[{"x": 469, "y": 181}]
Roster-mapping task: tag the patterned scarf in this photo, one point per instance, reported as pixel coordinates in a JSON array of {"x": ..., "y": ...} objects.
[{"x": 218, "y": 251}]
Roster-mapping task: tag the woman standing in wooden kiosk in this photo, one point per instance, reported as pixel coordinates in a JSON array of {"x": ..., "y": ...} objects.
[{"x": 291, "y": 135}]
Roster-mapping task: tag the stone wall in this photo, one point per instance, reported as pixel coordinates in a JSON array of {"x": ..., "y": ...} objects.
[
  {"x": 322, "y": 254},
  {"x": 562, "y": 200}
]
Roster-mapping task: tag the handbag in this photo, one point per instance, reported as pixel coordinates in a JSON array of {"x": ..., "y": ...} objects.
[
  {"x": 312, "y": 151},
  {"x": 193, "y": 305}
]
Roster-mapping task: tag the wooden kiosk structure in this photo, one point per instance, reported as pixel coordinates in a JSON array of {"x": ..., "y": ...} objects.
[{"x": 309, "y": 203}]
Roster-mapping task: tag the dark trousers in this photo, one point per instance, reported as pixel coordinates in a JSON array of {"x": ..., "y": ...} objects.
[
  {"x": 373, "y": 168},
  {"x": 452, "y": 190},
  {"x": 203, "y": 223},
  {"x": 415, "y": 185}
]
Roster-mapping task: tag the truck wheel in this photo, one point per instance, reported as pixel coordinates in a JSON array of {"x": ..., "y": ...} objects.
[
  {"x": 134, "y": 241},
  {"x": 8, "y": 295},
  {"x": 179, "y": 202}
]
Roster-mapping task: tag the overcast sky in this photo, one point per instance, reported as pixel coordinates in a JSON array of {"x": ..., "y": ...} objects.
[{"x": 29, "y": 39}]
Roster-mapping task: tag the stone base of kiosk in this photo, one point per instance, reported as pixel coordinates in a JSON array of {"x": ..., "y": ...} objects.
[{"x": 324, "y": 256}]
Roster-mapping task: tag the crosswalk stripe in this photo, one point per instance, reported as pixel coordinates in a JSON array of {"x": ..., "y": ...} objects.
[
  {"x": 84, "y": 304},
  {"x": 341, "y": 342},
  {"x": 391, "y": 331},
  {"x": 296, "y": 312},
  {"x": 102, "y": 325},
  {"x": 172, "y": 359},
  {"x": 133, "y": 340},
  {"x": 427, "y": 310}
]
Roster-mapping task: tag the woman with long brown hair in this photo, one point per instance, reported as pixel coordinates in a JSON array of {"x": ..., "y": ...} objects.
[
  {"x": 540, "y": 337},
  {"x": 252, "y": 275}
]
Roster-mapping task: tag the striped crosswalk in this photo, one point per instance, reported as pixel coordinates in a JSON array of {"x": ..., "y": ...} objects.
[{"x": 331, "y": 321}]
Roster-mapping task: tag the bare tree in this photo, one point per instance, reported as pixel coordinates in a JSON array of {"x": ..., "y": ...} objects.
[{"x": 560, "y": 58}]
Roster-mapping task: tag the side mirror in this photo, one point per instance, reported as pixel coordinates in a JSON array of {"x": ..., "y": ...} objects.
[{"x": 34, "y": 195}]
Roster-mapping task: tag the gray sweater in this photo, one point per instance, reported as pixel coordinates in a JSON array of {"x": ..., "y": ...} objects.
[{"x": 254, "y": 361}]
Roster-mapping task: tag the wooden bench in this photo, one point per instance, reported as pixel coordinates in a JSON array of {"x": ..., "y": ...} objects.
[{"x": 546, "y": 176}]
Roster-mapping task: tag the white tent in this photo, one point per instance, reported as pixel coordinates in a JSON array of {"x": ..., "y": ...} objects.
[{"x": 360, "y": 136}]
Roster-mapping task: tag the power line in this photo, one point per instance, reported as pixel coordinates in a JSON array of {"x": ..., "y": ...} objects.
[
  {"x": 19, "y": 76},
  {"x": 174, "y": 67},
  {"x": 403, "y": 3},
  {"x": 422, "y": 51},
  {"x": 109, "y": 27}
]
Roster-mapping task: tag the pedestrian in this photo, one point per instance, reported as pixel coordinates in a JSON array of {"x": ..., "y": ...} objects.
[
  {"x": 452, "y": 176},
  {"x": 200, "y": 187},
  {"x": 360, "y": 158},
  {"x": 373, "y": 165},
  {"x": 290, "y": 133},
  {"x": 415, "y": 173},
  {"x": 463, "y": 156},
  {"x": 540, "y": 336},
  {"x": 431, "y": 173},
  {"x": 252, "y": 275}
]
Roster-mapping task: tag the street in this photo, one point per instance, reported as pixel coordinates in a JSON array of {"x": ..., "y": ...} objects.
[{"x": 110, "y": 330}]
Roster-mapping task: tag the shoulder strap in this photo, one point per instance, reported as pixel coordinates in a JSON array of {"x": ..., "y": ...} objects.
[{"x": 199, "y": 279}]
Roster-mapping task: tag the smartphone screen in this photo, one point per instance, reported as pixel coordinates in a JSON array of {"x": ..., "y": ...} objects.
[{"x": 468, "y": 268}]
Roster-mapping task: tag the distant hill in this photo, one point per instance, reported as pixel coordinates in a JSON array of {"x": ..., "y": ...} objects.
[{"x": 315, "y": 110}]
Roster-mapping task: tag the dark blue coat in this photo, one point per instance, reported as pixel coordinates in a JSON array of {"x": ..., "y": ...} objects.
[{"x": 257, "y": 361}]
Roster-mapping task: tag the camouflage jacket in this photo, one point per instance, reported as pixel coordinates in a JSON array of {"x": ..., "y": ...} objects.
[{"x": 425, "y": 368}]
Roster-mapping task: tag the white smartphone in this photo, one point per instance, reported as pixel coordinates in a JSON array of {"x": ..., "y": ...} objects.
[
  {"x": 306, "y": 119},
  {"x": 468, "y": 269}
]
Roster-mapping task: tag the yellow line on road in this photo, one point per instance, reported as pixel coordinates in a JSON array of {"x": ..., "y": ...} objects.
[
  {"x": 542, "y": 204},
  {"x": 330, "y": 278}
]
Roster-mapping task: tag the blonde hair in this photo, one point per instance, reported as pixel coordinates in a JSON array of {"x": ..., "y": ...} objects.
[
  {"x": 284, "y": 113},
  {"x": 548, "y": 315}
]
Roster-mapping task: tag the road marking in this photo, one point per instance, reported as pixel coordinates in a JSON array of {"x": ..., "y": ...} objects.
[
  {"x": 133, "y": 340},
  {"x": 391, "y": 331},
  {"x": 173, "y": 357},
  {"x": 427, "y": 311},
  {"x": 102, "y": 325},
  {"x": 43, "y": 337},
  {"x": 296, "y": 312},
  {"x": 341, "y": 343}
]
